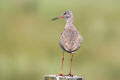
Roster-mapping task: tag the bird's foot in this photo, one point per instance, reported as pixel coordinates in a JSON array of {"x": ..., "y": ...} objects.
[
  {"x": 70, "y": 75},
  {"x": 60, "y": 74}
]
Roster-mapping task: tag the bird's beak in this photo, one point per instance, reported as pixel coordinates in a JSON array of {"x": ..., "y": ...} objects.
[{"x": 58, "y": 17}]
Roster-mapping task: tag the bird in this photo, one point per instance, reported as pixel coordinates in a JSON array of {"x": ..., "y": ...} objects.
[{"x": 70, "y": 39}]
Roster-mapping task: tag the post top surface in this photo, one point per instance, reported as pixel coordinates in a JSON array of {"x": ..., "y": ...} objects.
[{"x": 63, "y": 76}]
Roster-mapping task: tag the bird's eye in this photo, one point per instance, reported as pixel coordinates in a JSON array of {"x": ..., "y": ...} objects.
[{"x": 64, "y": 13}]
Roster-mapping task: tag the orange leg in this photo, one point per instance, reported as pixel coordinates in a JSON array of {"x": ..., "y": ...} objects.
[
  {"x": 61, "y": 73},
  {"x": 70, "y": 73}
]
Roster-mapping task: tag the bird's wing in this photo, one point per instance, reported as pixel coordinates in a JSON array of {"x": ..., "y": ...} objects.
[
  {"x": 65, "y": 40},
  {"x": 77, "y": 39}
]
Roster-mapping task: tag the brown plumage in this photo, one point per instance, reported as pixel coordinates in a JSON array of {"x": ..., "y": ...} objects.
[{"x": 70, "y": 39}]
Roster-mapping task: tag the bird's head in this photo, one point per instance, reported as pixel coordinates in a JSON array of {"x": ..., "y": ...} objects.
[{"x": 67, "y": 14}]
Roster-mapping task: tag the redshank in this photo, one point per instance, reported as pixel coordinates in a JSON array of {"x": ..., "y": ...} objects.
[{"x": 70, "y": 39}]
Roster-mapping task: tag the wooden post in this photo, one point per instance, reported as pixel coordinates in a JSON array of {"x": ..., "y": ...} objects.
[{"x": 55, "y": 77}]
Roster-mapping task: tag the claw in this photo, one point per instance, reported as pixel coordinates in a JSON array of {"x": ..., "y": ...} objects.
[
  {"x": 60, "y": 74},
  {"x": 69, "y": 75}
]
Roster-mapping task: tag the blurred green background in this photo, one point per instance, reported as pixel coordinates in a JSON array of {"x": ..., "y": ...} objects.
[{"x": 29, "y": 40}]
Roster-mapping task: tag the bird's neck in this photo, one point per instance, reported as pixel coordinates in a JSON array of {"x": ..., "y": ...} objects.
[
  {"x": 69, "y": 21},
  {"x": 69, "y": 24}
]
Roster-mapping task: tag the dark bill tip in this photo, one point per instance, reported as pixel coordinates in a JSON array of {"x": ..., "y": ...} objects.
[{"x": 55, "y": 18}]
